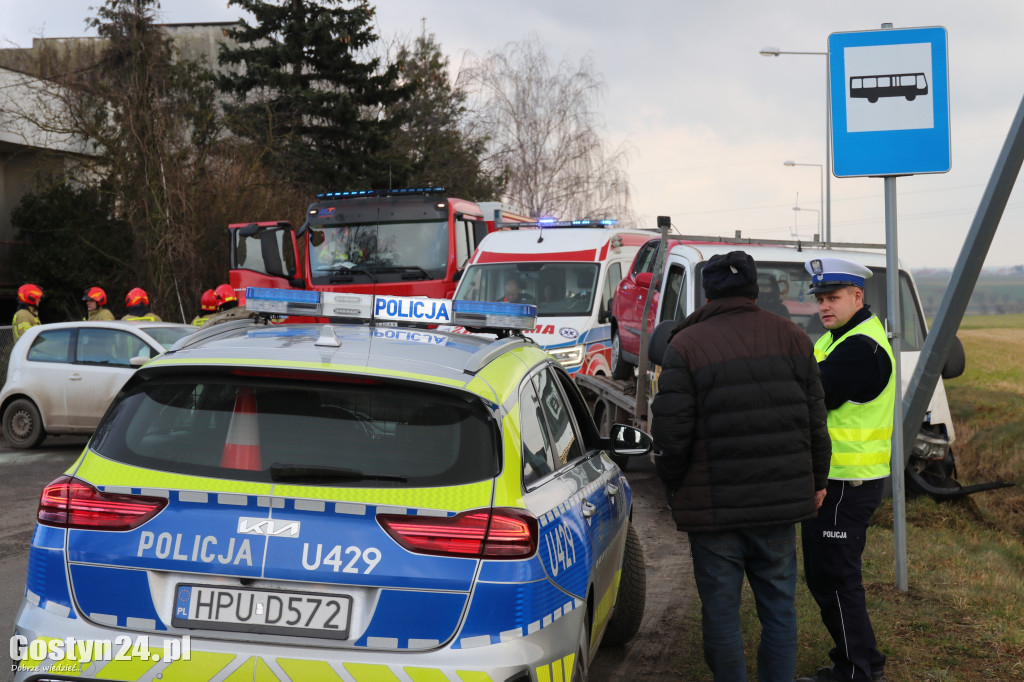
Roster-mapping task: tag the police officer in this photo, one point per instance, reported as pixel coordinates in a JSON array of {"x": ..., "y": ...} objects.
[
  {"x": 137, "y": 302},
  {"x": 856, "y": 364},
  {"x": 27, "y": 313},
  {"x": 95, "y": 303},
  {"x": 208, "y": 305}
]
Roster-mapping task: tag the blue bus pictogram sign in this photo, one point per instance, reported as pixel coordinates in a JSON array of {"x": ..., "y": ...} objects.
[{"x": 889, "y": 93}]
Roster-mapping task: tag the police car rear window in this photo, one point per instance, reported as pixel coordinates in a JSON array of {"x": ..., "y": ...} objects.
[{"x": 354, "y": 433}]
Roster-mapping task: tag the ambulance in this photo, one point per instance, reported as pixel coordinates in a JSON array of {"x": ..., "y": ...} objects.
[{"x": 569, "y": 270}]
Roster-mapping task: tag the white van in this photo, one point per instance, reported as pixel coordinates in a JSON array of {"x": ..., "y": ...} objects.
[{"x": 569, "y": 270}]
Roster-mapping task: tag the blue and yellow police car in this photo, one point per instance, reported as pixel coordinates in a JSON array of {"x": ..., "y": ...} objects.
[{"x": 358, "y": 500}]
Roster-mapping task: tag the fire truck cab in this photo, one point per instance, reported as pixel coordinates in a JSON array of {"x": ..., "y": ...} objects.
[{"x": 404, "y": 242}]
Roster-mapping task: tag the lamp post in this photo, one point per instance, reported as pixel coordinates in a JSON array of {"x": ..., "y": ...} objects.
[
  {"x": 817, "y": 220},
  {"x": 775, "y": 52},
  {"x": 821, "y": 173}
]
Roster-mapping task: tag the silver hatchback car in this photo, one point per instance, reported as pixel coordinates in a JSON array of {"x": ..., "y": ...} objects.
[{"x": 61, "y": 377}]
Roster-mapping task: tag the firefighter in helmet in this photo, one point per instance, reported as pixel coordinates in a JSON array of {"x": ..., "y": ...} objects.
[
  {"x": 27, "y": 314},
  {"x": 208, "y": 305},
  {"x": 227, "y": 305},
  {"x": 226, "y": 298},
  {"x": 137, "y": 302},
  {"x": 95, "y": 303}
]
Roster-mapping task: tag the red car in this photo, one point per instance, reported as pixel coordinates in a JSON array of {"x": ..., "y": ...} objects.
[{"x": 627, "y": 308}]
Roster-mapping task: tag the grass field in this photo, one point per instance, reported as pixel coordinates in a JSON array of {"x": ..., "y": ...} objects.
[{"x": 963, "y": 616}]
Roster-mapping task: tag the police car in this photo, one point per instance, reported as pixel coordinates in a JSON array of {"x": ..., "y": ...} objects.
[{"x": 349, "y": 501}]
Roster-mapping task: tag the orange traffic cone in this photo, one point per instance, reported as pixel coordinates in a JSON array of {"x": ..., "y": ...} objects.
[{"x": 242, "y": 446}]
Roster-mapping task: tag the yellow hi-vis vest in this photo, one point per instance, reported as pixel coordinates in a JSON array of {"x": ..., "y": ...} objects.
[{"x": 861, "y": 433}]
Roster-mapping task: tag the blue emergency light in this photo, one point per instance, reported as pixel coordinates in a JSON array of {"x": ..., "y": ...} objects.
[
  {"x": 548, "y": 223},
  {"x": 494, "y": 315},
  {"x": 353, "y": 194},
  {"x": 399, "y": 309}
]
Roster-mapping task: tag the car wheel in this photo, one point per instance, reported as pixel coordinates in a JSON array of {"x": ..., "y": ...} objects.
[
  {"x": 620, "y": 368},
  {"x": 629, "y": 601},
  {"x": 579, "y": 665},
  {"x": 23, "y": 426}
]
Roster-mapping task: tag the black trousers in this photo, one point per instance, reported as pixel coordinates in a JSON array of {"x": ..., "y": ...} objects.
[{"x": 832, "y": 545}]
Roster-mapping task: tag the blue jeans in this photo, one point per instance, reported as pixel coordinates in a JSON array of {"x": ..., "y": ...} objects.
[{"x": 767, "y": 556}]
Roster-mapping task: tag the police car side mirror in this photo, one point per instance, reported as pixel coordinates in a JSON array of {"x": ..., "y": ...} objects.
[
  {"x": 627, "y": 441},
  {"x": 138, "y": 361}
]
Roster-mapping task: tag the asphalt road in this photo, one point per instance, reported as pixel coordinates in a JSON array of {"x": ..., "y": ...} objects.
[
  {"x": 23, "y": 474},
  {"x": 651, "y": 656}
]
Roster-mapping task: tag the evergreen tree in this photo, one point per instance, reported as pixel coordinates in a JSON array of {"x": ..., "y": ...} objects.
[
  {"x": 69, "y": 240},
  {"x": 436, "y": 137},
  {"x": 306, "y": 92}
]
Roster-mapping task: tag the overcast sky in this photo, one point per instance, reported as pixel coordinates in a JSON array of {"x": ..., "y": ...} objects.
[{"x": 708, "y": 119}]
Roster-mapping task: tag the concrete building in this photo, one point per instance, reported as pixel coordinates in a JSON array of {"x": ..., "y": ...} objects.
[{"x": 28, "y": 154}]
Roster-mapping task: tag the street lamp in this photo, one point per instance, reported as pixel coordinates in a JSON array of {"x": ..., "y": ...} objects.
[
  {"x": 821, "y": 173},
  {"x": 775, "y": 52}
]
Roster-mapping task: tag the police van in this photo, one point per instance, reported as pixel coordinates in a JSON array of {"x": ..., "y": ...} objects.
[
  {"x": 569, "y": 270},
  {"x": 358, "y": 501}
]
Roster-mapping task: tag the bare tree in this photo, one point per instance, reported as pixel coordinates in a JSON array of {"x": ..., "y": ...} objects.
[{"x": 544, "y": 134}]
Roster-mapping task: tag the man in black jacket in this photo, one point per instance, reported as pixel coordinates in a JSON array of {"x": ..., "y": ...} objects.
[{"x": 741, "y": 424}]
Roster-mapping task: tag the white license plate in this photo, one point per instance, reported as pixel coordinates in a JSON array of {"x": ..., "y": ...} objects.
[{"x": 308, "y": 614}]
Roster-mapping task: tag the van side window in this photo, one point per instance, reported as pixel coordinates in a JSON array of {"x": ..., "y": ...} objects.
[{"x": 673, "y": 306}]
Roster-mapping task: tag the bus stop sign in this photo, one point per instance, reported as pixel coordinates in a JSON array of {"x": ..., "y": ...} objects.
[{"x": 889, "y": 93}]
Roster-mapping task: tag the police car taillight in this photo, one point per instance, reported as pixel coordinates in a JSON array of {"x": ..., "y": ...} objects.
[
  {"x": 70, "y": 503},
  {"x": 485, "y": 533}
]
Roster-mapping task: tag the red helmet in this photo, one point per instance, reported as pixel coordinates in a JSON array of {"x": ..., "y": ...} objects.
[
  {"x": 95, "y": 294},
  {"x": 208, "y": 301},
  {"x": 225, "y": 294},
  {"x": 30, "y": 294},
  {"x": 136, "y": 296}
]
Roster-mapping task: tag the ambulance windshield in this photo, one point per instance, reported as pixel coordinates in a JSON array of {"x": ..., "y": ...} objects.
[{"x": 556, "y": 288}]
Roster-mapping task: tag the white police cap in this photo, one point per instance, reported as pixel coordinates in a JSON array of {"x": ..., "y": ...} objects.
[{"x": 829, "y": 274}]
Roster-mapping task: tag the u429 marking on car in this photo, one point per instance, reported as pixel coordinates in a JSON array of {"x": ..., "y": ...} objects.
[
  {"x": 335, "y": 558},
  {"x": 561, "y": 550}
]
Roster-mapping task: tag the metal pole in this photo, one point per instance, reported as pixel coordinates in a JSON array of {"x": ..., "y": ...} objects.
[
  {"x": 892, "y": 277},
  {"x": 965, "y": 276},
  {"x": 828, "y": 156},
  {"x": 642, "y": 383}
]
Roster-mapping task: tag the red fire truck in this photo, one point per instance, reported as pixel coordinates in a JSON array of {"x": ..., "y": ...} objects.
[{"x": 403, "y": 242}]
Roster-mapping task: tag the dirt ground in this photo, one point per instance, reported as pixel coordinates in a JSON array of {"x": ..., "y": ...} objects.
[{"x": 671, "y": 592}]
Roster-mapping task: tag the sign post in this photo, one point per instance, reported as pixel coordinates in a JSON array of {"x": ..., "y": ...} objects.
[{"x": 889, "y": 92}]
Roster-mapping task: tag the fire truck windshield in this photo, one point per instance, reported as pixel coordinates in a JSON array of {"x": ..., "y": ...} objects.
[{"x": 385, "y": 251}]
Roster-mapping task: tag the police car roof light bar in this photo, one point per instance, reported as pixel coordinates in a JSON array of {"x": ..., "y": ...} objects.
[
  {"x": 548, "y": 223},
  {"x": 490, "y": 315},
  {"x": 355, "y": 194}
]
